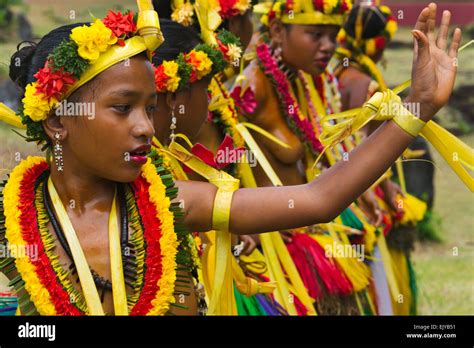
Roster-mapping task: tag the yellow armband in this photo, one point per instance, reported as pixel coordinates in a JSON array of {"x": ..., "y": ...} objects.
[{"x": 221, "y": 212}]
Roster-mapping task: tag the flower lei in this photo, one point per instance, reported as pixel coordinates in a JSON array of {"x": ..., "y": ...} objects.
[
  {"x": 289, "y": 105},
  {"x": 67, "y": 63},
  {"x": 224, "y": 114},
  {"x": 200, "y": 62},
  {"x": 183, "y": 12},
  {"x": 42, "y": 277}
]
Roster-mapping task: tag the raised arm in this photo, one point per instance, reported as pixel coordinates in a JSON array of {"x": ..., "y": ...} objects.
[{"x": 276, "y": 208}]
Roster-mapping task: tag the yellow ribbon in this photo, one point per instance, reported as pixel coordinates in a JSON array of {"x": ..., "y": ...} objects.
[
  {"x": 381, "y": 107},
  {"x": 8, "y": 116},
  {"x": 209, "y": 20},
  {"x": 87, "y": 282}
]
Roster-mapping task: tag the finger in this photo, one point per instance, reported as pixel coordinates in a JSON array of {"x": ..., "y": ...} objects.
[
  {"x": 420, "y": 25},
  {"x": 249, "y": 247},
  {"x": 453, "y": 49},
  {"x": 422, "y": 18},
  {"x": 423, "y": 45},
  {"x": 431, "y": 22},
  {"x": 442, "y": 41}
]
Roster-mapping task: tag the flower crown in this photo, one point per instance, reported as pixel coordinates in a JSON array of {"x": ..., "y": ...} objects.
[
  {"x": 90, "y": 50},
  {"x": 200, "y": 62},
  {"x": 184, "y": 11},
  {"x": 322, "y": 12},
  {"x": 370, "y": 46},
  {"x": 68, "y": 61}
]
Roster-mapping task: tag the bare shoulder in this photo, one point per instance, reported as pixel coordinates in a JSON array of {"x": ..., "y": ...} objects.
[{"x": 258, "y": 82}]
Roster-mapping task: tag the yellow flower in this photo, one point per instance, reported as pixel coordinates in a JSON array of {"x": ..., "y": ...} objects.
[
  {"x": 92, "y": 40},
  {"x": 329, "y": 6},
  {"x": 171, "y": 70},
  {"x": 391, "y": 28},
  {"x": 234, "y": 52},
  {"x": 168, "y": 241},
  {"x": 183, "y": 14},
  {"x": 242, "y": 5},
  {"x": 205, "y": 64},
  {"x": 36, "y": 106}
]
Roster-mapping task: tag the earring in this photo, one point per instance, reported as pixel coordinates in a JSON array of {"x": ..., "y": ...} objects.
[
  {"x": 173, "y": 123},
  {"x": 58, "y": 152},
  {"x": 277, "y": 53}
]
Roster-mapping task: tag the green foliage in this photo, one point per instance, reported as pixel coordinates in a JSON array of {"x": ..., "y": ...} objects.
[
  {"x": 216, "y": 56},
  {"x": 65, "y": 55},
  {"x": 226, "y": 37}
]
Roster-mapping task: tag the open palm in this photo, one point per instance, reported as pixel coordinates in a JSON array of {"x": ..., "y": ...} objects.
[{"x": 434, "y": 67}]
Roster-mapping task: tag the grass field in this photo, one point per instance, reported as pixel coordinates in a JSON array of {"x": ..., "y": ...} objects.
[{"x": 445, "y": 270}]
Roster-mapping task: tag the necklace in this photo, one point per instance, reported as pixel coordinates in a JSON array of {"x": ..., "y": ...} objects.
[
  {"x": 116, "y": 266},
  {"x": 300, "y": 125},
  {"x": 49, "y": 292},
  {"x": 99, "y": 281}
]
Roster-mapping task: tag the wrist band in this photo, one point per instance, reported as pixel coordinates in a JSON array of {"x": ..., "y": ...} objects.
[
  {"x": 222, "y": 202},
  {"x": 409, "y": 123},
  {"x": 388, "y": 105}
]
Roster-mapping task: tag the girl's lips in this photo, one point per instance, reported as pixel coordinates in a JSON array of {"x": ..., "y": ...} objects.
[
  {"x": 322, "y": 63},
  {"x": 138, "y": 159}
]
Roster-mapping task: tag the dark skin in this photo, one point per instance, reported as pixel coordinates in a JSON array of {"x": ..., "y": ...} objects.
[
  {"x": 120, "y": 106},
  {"x": 190, "y": 108},
  {"x": 253, "y": 210}
]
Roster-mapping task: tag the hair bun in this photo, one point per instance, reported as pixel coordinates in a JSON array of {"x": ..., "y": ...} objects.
[{"x": 20, "y": 63}]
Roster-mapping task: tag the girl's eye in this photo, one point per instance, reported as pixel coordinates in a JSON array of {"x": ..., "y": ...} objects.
[
  {"x": 122, "y": 108},
  {"x": 151, "y": 109},
  {"x": 316, "y": 34}
]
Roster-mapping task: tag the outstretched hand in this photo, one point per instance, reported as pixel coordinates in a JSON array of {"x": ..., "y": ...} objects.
[{"x": 434, "y": 66}]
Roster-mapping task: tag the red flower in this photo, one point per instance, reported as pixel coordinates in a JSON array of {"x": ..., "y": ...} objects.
[
  {"x": 380, "y": 42},
  {"x": 53, "y": 83},
  {"x": 319, "y": 5},
  {"x": 344, "y": 7},
  {"x": 223, "y": 48},
  {"x": 247, "y": 102},
  {"x": 120, "y": 25},
  {"x": 160, "y": 78},
  {"x": 226, "y": 154},
  {"x": 227, "y": 9}
]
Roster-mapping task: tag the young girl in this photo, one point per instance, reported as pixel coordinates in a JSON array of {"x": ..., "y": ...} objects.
[{"x": 100, "y": 182}]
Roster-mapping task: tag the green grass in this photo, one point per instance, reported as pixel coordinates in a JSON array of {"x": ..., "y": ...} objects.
[{"x": 446, "y": 280}]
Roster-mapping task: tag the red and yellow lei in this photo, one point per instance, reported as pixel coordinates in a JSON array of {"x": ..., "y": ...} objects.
[{"x": 47, "y": 287}]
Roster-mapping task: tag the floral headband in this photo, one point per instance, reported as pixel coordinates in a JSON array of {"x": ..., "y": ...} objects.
[
  {"x": 310, "y": 12},
  {"x": 370, "y": 46},
  {"x": 184, "y": 10},
  {"x": 90, "y": 50},
  {"x": 200, "y": 62}
]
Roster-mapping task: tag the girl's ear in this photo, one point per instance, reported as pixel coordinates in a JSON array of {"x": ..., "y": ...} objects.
[
  {"x": 171, "y": 100},
  {"x": 277, "y": 31},
  {"x": 53, "y": 125}
]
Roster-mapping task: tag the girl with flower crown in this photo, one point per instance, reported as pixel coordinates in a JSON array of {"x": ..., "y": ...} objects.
[{"x": 101, "y": 207}]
